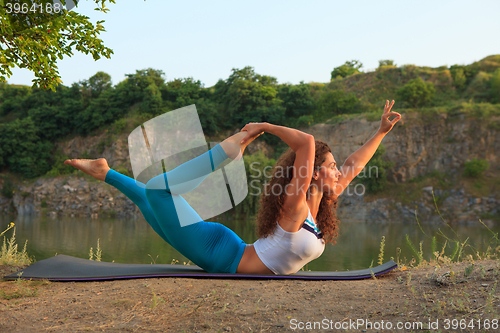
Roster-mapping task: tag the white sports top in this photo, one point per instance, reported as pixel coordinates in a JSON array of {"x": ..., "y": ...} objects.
[{"x": 286, "y": 252}]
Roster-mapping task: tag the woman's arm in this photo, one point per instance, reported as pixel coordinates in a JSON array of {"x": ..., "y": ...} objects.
[
  {"x": 304, "y": 146},
  {"x": 358, "y": 160},
  {"x": 295, "y": 139}
]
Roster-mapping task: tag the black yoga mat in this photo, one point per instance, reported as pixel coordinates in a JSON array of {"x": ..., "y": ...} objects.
[{"x": 67, "y": 268}]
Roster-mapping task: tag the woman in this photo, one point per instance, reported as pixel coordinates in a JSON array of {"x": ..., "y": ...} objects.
[{"x": 308, "y": 185}]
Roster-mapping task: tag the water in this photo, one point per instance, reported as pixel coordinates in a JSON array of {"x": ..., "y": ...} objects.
[{"x": 133, "y": 241}]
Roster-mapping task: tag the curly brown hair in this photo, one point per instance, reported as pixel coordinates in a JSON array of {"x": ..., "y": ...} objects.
[{"x": 271, "y": 205}]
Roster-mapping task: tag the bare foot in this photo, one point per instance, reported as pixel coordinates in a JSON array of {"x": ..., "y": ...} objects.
[
  {"x": 96, "y": 168},
  {"x": 233, "y": 146}
]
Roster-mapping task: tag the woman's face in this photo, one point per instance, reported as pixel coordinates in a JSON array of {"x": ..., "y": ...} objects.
[{"x": 328, "y": 174}]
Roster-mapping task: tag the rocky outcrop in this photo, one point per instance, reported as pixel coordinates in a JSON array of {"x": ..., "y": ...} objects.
[{"x": 73, "y": 196}]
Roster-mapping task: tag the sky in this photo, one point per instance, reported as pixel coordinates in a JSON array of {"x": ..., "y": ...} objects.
[{"x": 290, "y": 40}]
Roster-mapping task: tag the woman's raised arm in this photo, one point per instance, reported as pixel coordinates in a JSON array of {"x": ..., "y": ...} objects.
[
  {"x": 357, "y": 160},
  {"x": 304, "y": 146}
]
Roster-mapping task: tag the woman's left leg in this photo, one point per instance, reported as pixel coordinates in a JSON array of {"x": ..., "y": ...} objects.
[{"x": 137, "y": 194}]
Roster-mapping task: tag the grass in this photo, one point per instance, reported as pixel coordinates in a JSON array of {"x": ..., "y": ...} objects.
[
  {"x": 98, "y": 252},
  {"x": 9, "y": 253},
  {"x": 22, "y": 288}
]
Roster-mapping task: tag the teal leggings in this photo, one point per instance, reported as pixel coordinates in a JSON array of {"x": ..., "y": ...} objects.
[{"x": 211, "y": 246}]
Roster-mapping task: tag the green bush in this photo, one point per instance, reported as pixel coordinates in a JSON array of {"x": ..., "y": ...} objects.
[
  {"x": 120, "y": 125},
  {"x": 475, "y": 168},
  {"x": 334, "y": 102},
  {"x": 458, "y": 76},
  {"x": 305, "y": 121},
  {"x": 495, "y": 87},
  {"x": 58, "y": 166},
  {"x": 417, "y": 93},
  {"x": 8, "y": 189},
  {"x": 383, "y": 63}
]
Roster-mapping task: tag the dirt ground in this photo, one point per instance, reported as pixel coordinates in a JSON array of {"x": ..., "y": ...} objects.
[{"x": 407, "y": 297}]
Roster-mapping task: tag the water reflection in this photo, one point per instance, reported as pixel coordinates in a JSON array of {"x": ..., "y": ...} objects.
[{"x": 133, "y": 241}]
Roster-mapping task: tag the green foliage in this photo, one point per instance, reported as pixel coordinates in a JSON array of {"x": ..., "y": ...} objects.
[
  {"x": 101, "y": 111},
  {"x": 12, "y": 98},
  {"x": 479, "y": 89},
  {"x": 96, "y": 84},
  {"x": 58, "y": 166},
  {"x": 495, "y": 86},
  {"x": 458, "y": 76},
  {"x": 8, "y": 188},
  {"x": 417, "y": 93},
  {"x": 183, "y": 92},
  {"x": 249, "y": 97},
  {"x": 347, "y": 69},
  {"x": 335, "y": 102},
  {"x": 120, "y": 125},
  {"x": 297, "y": 101},
  {"x": 463, "y": 75},
  {"x": 36, "y": 43},
  {"x": 22, "y": 148},
  {"x": 384, "y": 63},
  {"x": 374, "y": 175},
  {"x": 475, "y": 168},
  {"x": 305, "y": 121}
]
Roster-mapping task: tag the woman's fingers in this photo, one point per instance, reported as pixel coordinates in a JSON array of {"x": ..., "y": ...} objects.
[
  {"x": 392, "y": 113},
  {"x": 388, "y": 106}
]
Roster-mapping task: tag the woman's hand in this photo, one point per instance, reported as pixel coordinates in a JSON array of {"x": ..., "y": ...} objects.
[
  {"x": 253, "y": 130},
  {"x": 386, "y": 124}
]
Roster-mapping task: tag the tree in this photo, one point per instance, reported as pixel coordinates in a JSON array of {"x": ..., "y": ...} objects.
[
  {"x": 297, "y": 101},
  {"x": 249, "y": 97},
  {"x": 349, "y": 68},
  {"x": 34, "y": 40},
  {"x": 182, "y": 92},
  {"x": 417, "y": 93},
  {"x": 134, "y": 87},
  {"x": 22, "y": 148},
  {"x": 96, "y": 84}
]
